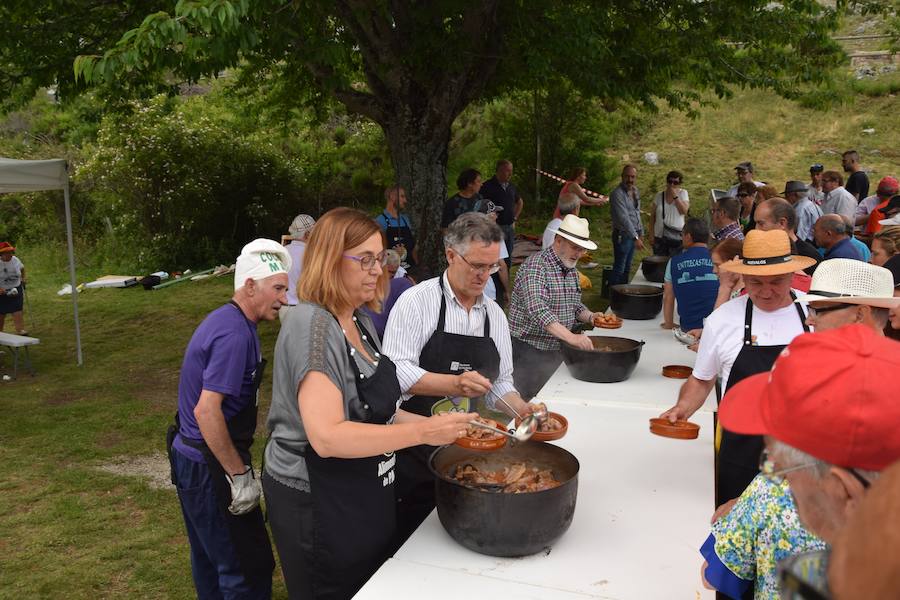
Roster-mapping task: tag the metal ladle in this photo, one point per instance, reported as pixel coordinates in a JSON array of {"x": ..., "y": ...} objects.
[
  {"x": 527, "y": 426},
  {"x": 495, "y": 429}
]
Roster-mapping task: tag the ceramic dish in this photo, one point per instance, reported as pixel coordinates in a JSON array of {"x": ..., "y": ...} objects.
[
  {"x": 677, "y": 371},
  {"x": 680, "y": 430},
  {"x": 549, "y": 436},
  {"x": 493, "y": 443}
]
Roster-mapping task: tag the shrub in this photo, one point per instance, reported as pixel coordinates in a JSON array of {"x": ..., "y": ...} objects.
[{"x": 184, "y": 189}]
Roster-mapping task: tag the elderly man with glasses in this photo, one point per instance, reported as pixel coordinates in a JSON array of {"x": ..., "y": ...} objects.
[
  {"x": 451, "y": 346},
  {"x": 829, "y": 414},
  {"x": 546, "y": 304}
]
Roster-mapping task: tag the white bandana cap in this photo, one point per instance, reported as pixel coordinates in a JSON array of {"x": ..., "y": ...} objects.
[{"x": 259, "y": 259}]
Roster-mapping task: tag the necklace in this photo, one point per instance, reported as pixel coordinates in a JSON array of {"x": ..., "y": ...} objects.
[{"x": 365, "y": 340}]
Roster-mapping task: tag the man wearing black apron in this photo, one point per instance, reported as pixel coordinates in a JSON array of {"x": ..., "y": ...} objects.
[
  {"x": 741, "y": 338},
  {"x": 209, "y": 445},
  {"x": 452, "y": 346},
  {"x": 397, "y": 227}
]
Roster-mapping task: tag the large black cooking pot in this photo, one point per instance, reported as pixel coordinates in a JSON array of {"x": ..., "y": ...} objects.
[
  {"x": 612, "y": 359},
  {"x": 500, "y": 524},
  {"x": 636, "y": 301},
  {"x": 654, "y": 268}
]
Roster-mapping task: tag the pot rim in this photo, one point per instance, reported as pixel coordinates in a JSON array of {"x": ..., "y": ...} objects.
[
  {"x": 638, "y": 346},
  {"x": 657, "y": 291}
]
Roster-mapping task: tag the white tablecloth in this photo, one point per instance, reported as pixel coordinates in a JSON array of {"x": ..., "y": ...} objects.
[{"x": 643, "y": 509}]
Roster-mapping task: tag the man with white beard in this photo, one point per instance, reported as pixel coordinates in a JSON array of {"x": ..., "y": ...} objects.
[{"x": 545, "y": 304}]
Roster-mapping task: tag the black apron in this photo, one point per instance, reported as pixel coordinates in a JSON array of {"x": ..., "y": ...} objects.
[
  {"x": 444, "y": 353},
  {"x": 247, "y": 531},
  {"x": 353, "y": 499},
  {"x": 399, "y": 234},
  {"x": 738, "y": 460}
]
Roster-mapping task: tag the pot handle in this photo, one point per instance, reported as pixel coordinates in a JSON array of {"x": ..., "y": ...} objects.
[{"x": 642, "y": 342}]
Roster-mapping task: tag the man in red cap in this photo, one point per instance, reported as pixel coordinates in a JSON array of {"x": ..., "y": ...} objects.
[
  {"x": 867, "y": 214},
  {"x": 829, "y": 413}
]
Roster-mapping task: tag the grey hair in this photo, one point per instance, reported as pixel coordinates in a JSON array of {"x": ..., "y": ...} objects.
[
  {"x": 469, "y": 227},
  {"x": 391, "y": 258},
  {"x": 792, "y": 457},
  {"x": 568, "y": 202},
  {"x": 833, "y": 223}
]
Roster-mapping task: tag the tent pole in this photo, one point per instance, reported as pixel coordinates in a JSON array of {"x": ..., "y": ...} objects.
[{"x": 72, "y": 274}]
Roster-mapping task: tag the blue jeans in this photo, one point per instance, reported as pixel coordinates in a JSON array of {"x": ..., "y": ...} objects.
[
  {"x": 214, "y": 564},
  {"x": 623, "y": 253}
]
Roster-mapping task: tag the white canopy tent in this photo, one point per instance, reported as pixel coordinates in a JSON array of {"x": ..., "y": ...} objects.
[{"x": 38, "y": 175}]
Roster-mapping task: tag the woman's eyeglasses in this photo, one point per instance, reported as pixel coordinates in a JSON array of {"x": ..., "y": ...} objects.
[{"x": 367, "y": 261}]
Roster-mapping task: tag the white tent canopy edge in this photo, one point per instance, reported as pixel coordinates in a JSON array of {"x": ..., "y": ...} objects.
[{"x": 38, "y": 175}]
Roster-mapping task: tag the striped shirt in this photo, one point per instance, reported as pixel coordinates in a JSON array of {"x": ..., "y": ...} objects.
[
  {"x": 545, "y": 292},
  {"x": 414, "y": 318}
]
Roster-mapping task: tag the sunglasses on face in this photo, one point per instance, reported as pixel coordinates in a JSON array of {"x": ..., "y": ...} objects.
[{"x": 743, "y": 195}]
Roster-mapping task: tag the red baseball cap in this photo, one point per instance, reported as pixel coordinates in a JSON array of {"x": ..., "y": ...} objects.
[
  {"x": 888, "y": 186},
  {"x": 832, "y": 395},
  {"x": 6, "y": 247}
]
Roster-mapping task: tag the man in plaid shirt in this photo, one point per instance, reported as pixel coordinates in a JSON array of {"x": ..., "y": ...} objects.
[{"x": 545, "y": 303}]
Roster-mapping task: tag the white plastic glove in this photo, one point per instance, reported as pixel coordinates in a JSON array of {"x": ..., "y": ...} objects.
[{"x": 245, "y": 492}]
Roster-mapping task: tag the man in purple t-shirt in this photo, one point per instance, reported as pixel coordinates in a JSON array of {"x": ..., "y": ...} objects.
[{"x": 209, "y": 447}]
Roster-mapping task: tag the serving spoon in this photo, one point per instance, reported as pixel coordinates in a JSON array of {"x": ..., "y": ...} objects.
[{"x": 528, "y": 425}]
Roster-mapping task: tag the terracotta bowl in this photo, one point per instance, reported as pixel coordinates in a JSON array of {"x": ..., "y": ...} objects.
[
  {"x": 680, "y": 430},
  {"x": 488, "y": 444},
  {"x": 549, "y": 436},
  {"x": 677, "y": 371}
]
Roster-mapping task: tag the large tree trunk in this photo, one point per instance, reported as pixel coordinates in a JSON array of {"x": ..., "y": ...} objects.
[{"x": 420, "y": 162}]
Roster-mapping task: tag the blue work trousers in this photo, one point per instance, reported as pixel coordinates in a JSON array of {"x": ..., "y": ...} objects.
[
  {"x": 214, "y": 564},
  {"x": 623, "y": 253}
]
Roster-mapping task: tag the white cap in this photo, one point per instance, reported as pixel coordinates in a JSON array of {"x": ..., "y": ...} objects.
[
  {"x": 850, "y": 281},
  {"x": 259, "y": 259}
]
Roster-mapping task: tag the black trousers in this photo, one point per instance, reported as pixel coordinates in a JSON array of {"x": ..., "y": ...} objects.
[
  {"x": 532, "y": 367},
  {"x": 290, "y": 513}
]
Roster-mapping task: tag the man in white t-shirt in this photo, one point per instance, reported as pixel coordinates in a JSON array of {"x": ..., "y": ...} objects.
[
  {"x": 299, "y": 231},
  {"x": 743, "y": 337},
  {"x": 568, "y": 205}
]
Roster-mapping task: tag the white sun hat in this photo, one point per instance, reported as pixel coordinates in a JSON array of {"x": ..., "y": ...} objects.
[
  {"x": 850, "y": 281},
  {"x": 575, "y": 229}
]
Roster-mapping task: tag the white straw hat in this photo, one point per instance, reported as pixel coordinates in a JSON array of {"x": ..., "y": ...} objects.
[
  {"x": 850, "y": 281},
  {"x": 575, "y": 229}
]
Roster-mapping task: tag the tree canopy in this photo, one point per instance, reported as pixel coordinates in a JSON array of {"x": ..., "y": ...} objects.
[{"x": 414, "y": 66}]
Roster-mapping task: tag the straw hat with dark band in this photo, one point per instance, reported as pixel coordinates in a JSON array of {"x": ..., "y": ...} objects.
[{"x": 767, "y": 253}]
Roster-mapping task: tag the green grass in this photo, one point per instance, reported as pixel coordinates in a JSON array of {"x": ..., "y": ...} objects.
[{"x": 69, "y": 530}]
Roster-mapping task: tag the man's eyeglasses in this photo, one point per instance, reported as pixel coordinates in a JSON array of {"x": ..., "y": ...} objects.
[
  {"x": 813, "y": 311},
  {"x": 367, "y": 261},
  {"x": 673, "y": 181},
  {"x": 480, "y": 269},
  {"x": 768, "y": 470}
]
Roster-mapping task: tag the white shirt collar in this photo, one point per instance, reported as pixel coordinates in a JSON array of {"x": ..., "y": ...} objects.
[{"x": 448, "y": 291}]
